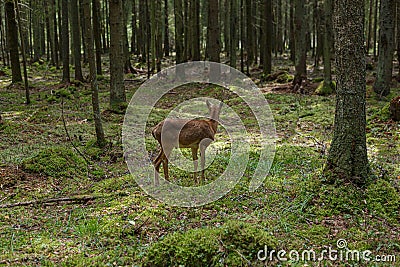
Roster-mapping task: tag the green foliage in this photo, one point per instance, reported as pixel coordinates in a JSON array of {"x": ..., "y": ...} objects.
[
  {"x": 383, "y": 199},
  {"x": 325, "y": 89},
  {"x": 93, "y": 150},
  {"x": 59, "y": 162},
  {"x": 225, "y": 246}
]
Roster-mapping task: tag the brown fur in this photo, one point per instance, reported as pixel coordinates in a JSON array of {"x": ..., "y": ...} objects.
[{"x": 180, "y": 133}]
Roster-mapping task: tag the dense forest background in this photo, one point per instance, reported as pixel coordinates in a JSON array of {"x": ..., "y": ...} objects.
[{"x": 329, "y": 70}]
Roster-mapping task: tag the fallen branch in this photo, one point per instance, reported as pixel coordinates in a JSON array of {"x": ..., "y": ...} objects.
[{"x": 74, "y": 199}]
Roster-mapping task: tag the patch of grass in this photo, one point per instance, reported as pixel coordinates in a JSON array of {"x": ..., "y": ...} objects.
[
  {"x": 234, "y": 244},
  {"x": 58, "y": 162}
]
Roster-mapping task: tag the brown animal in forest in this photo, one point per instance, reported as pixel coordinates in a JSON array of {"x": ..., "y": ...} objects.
[{"x": 179, "y": 133}]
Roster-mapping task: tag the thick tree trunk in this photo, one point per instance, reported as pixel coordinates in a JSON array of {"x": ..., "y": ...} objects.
[
  {"x": 117, "y": 88},
  {"x": 101, "y": 142},
  {"x": 386, "y": 48},
  {"x": 347, "y": 158},
  {"x": 65, "y": 42},
  {"x": 12, "y": 42}
]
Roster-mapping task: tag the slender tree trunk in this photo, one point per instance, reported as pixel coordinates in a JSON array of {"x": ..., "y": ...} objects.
[
  {"x": 21, "y": 36},
  {"x": 179, "y": 30},
  {"x": 386, "y": 47},
  {"x": 166, "y": 29},
  {"x": 375, "y": 28},
  {"x": 347, "y": 158},
  {"x": 196, "y": 31},
  {"x": 398, "y": 36},
  {"x": 267, "y": 37},
  {"x": 300, "y": 25},
  {"x": 233, "y": 34},
  {"x": 76, "y": 35},
  {"x": 369, "y": 34},
  {"x": 214, "y": 48},
  {"x": 4, "y": 54},
  {"x": 101, "y": 141},
  {"x": 117, "y": 88},
  {"x": 292, "y": 42},
  {"x": 65, "y": 42},
  {"x": 134, "y": 28},
  {"x": 97, "y": 34},
  {"x": 55, "y": 34},
  {"x": 250, "y": 34},
  {"x": 12, "y": 41}
]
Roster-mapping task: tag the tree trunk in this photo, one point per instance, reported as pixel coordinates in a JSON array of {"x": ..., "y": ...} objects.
[
  {"x": 97, "y": 35},
  {"x": 233, "y": 33},
  {"x": 21, "y": 36},
  {"x": 65, "y": 42},
  {"x": 166, "y": 29},
  {"x": 214, "y": 47},
  {"x": 386, "y": 48},
  {"x": 117, "y": 88},
  {"x": 398, "y": 36},
  {"x": 250, "y": 34},
  {"x": 134, "y": 28},
  {"x": 196, "y": 31},
  {"x": 328, "y": 86},
  {"x": 267, "y": 37},
  {"x": 347, "y": 158},
  {"x": 375, "y": 28},
  {"x": 101, "y": 142},
  {"x": 12, "y": 42},
  {"x": 76, "y": 35},
  {"x": 179, "y": 31},
  {"x": 369, "y": 34},
  {"x": 55, "y": 34},
  {"x": 300, "y": 25},
  {"x": 292, "y": 42}
]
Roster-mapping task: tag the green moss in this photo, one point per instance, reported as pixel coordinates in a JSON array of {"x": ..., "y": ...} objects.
[
  {"x": 225, "y": 246},
  {"x": 284, "y": 78},
  {"x": 325, "y": 89},
  {"x": 56, "y": 162},
  {"x": 383, "y": 199}
]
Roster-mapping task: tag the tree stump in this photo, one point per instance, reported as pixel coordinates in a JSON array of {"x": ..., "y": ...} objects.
[{"x": 395, "y": 108}]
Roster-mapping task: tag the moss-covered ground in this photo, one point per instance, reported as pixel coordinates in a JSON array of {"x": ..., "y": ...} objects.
[{"x": 293, "y": 210}]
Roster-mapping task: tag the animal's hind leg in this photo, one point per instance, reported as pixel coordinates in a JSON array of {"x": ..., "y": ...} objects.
[{"x": 195, "y": 162}]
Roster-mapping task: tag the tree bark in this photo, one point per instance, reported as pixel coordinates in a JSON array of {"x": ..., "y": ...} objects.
[
  {"x": 97, "y": 34},
  {"x": 267, "y": 37},
  {"x": 214, "y": 48},
  {"x": 12, "y": 42},
  {"x": 117, "y": 88},
  {"x": 179, "y": 30},
  {"x": 166, "y": 29},
  {"x": 101, "y": 142},
  {"x": 386, "y": 48},
  {"x": 76, "y": 36},
  {"x": 347, "y": 160},
  {"x": 300, "y": 25},
  {"x": 65, "y": 42}
]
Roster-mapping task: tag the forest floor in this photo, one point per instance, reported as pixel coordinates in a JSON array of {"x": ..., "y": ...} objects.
[{"x": 110, "y": 221}]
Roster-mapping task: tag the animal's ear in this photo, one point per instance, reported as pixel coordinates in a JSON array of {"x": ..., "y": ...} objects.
[{"x": 208, "y": 104}]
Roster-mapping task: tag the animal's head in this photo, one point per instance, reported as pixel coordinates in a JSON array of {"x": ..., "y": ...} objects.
[{"x": 214, "y": 110}]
